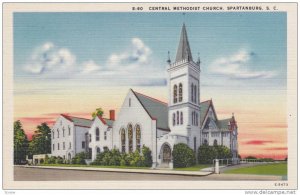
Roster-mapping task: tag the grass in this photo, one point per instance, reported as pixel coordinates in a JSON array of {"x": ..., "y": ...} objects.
[
  {"x": 93, "y": 166},
  {"x": 193, "y": 168},
  {"x": 268, "y": 169}
]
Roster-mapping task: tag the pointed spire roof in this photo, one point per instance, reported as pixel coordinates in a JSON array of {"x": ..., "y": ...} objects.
[{"x": 184, "y": 50}]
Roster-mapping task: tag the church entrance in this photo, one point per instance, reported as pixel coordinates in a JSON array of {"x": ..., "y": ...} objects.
[{"x": 166, "y": 154}]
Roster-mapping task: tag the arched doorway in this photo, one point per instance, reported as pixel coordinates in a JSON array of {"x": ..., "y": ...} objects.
[{"x": 166, "y": 154}]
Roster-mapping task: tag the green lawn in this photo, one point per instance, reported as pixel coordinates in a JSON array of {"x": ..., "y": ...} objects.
[
  {"x": 93, "y": 166},
  {"x": 193, "y": 168},
  {"x": 268, "y": 169}
]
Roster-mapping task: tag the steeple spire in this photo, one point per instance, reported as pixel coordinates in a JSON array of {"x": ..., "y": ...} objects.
[{"x": 184, "y": 50}]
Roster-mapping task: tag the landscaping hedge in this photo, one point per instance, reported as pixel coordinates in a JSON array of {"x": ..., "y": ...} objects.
[{"x": 183, "y": 156}]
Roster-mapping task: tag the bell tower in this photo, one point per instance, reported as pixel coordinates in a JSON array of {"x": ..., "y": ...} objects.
[{"x": 184, "y": 93}]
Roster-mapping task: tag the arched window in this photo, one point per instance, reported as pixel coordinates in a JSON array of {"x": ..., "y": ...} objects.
[
  {"x": 52, "y": 134},
  {"x": 138, "y": 137},
  {"x": 63, "y": 132},
  {"x": 195, "y": 94},
  {"x": 177, "y": 113},
  {"x": 69, "y": 130},
  {"x": 180, "y": 92},
  {"x": 181, "y": 118},
  {"x": 205, "y": 142},
  {"x": 174, "y": 119},
  {"x": 57, "y": 133},
  {"x": 175, "y": 94},
  {"x": 195, "y": 144},
  {"x": 98, "y": 150},
  {"x": 97, "y": 134},
  {"x": 215, "y": 142},
  {"x": 105, "y": 135},
  {"x": 130, "y": 138},
  {"x": 192, "y": 92},
  {"x": 123, "y": 140},
  {"x": 196, "y": 119}
]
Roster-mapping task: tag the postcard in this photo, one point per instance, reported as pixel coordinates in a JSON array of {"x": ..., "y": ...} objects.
[{"x": 184, "y": 95}]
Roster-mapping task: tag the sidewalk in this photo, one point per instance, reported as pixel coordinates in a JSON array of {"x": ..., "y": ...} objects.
[{"x": 142, "y": 171}]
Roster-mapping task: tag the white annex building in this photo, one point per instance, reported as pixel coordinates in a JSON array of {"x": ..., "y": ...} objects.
[{"x": 143, "y": 120}]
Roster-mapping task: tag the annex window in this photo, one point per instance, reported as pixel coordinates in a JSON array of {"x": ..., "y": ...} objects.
[
  {"x": 83, "y": 144},
  {"x": 181, "y": 118},
  {"x": 57, "y": 146},
  {"x": 105, "y": 135},
  {"x": 205, "y": 142},
  {"x": 177, "y": 113},
  {"x": 98, "y": 150},
  {"x": 64, "y": 146},
  {"x": 138, "y": 137},
  {"x": 97, "y": 134},
  {"x": 90, "y": 138},
  {"x": 130, "y": 138},
  {"x": 70, "y": 145},
  {"x": 69, "y": 129},
  {"x": 175, "y": 94},
  {"x": 180, "y": 92},
  {"x": 63, "y": 132},
  {"x": 57, "y": 133},
  {"x": 53, "y": 146},
  {"x": 123, "y": 140}
]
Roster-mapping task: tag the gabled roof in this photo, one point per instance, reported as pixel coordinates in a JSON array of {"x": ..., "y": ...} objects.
[
  {"x": 156, "y": 109},
  {"x": 223, "y": 124},
  {"x": 204, "y": 106},
  {"x": 81, "y": 122},
  {"x": 184, "y": 50},
  {"x": 106, "y": 121}
]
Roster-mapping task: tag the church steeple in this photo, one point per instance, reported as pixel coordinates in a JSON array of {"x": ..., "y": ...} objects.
[{"x": 184, "y": 50}]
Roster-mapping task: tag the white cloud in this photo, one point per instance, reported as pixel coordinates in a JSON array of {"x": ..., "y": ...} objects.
[
  {"x": 48, "y": 58},
  {"x": 137, "y": 55},
  {"x": 90, "y": 67},
  {"x": 237, "y": 66},
  {"x": 133, "y": 66}
]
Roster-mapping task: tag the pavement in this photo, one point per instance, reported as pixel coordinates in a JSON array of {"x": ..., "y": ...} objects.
[
  {"x": 149, "y": 171},
  {"x": 35, "y": 173}
]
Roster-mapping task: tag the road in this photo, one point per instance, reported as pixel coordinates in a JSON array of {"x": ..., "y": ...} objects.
[{"x": 36, "y": 174}]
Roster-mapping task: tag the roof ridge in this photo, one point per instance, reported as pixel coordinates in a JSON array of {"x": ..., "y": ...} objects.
[
  {"x": 150, "y": 97},
  {"x": 76, "y": 117},
  {"x": 67, "y": 117},
  {"x": 206, "y": 101}
]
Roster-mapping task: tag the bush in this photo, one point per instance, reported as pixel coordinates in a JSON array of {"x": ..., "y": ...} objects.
[
  {"x": 206, "y": 154},
  {"x": 79, "y": 159},
  {"x": 52, "y": 160},
  {"x": 183, "y": 156},
  {"x": 59, "y": 160},
  {"x": 250, "y": 157},
  {"x": 115, "y": 158},
  {"x": 147, "y": 156}
]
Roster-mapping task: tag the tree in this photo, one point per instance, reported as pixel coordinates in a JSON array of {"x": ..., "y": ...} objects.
[
  {"x": 20, "y": 143},
  {"x": 206, "y": 154},
  {"x": 183, "y": 156},
  {"x": 98, "y": 112},
  {"x": 41, "y": 140}
]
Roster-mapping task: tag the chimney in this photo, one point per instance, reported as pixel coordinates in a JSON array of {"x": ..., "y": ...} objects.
[{"x": 112, "y": 115}]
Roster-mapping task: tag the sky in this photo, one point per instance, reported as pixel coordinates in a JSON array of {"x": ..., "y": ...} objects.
[{"x": 73, "y": 63}]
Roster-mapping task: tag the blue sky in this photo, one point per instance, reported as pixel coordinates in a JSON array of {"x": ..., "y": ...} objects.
[
  {"x": 76, "y": 62},
  {"x": 94, "y": 37}
]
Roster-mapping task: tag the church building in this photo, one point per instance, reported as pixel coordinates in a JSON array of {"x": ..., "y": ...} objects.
[{"x": 143, "y": 120}]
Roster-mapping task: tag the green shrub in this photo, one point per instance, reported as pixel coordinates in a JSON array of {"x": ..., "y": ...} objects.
[
  {"x": 147, "y": 156},
  {"x": 52, "y": 160},
  {"x": 79, "y": 159},
  {"x": 115, "y": 158},
  {"x": 206, "y": 154},
  {"x": 183, "y": 156},
  {"x": 59, "y": 160}
]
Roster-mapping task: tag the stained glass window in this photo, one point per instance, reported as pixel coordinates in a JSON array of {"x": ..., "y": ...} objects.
[
  {"x": 180, "y": 92},
  {"x": 130, "y": 138},
  {"x": 175, "y": 94},
  {"x": 138, "y": 137},
  {"x": 123, "y": 139}
]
